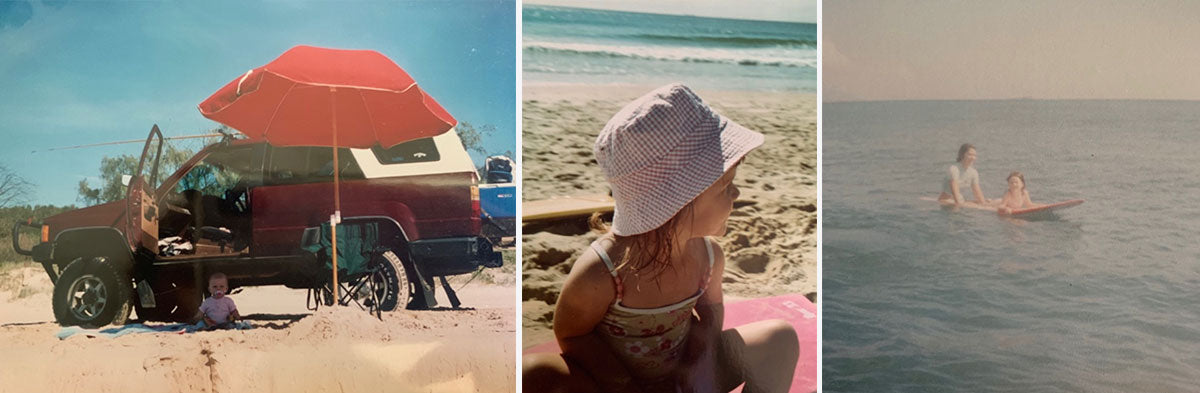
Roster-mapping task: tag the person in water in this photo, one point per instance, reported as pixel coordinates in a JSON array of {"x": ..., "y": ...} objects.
[
  {"x": 963, "y": 173},
  {"x": 1017, "y": 196},
  {"x": 641, "y": 310}
]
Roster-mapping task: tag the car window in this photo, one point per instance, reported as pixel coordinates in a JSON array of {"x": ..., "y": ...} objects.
[
  {"x": 419, "y": 150},
  {"x": 305, "y": 164},
  {"x": 222, "y": 169}
]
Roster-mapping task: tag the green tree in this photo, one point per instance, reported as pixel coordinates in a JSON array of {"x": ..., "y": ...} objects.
[
  {"x": 472, "y": 137},
  {"x": 112, "y": 168}
]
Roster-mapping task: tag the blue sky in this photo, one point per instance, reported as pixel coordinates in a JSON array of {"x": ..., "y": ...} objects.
[{"x": 89, "y": 72}]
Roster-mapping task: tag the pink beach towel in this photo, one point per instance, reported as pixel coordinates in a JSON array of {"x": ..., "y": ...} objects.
[{"x": 794, "y": 308}]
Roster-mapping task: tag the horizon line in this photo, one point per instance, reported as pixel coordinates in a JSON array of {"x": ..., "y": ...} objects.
[{"x": 826, "y": 101}]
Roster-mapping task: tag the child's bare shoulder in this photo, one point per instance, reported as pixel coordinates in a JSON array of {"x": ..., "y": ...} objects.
[
  {"x": 590, "y": 267},
  {"x": 589, "y": 285},
  {"x": 589, "y": 264}
]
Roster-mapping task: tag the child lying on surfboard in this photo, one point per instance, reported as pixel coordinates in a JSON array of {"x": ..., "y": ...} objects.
[{"x": 1017, "y": 197}]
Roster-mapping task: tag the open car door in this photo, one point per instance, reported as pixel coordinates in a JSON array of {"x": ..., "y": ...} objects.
[{"x": 141, "y": 210}]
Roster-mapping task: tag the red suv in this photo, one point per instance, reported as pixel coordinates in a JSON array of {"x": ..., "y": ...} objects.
[{"x": 248, "y": 210}]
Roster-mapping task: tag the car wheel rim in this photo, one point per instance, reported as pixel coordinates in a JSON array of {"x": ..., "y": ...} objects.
[{"x": 88, "y": 296}]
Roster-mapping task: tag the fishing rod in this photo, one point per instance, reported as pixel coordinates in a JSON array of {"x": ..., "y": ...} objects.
[{"x": 220, "y": 133}]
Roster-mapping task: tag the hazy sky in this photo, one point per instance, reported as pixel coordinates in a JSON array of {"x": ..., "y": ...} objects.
[
  {"x": 87, "y": 72},
  {"x": 776, "y": 10},
  {"x": 898, "y": 50}
]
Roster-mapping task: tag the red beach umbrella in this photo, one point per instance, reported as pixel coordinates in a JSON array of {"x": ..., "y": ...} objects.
[{"x": 312, "y": 96}]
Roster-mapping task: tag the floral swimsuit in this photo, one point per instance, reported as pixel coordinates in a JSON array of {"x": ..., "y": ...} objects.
[{"x": 649, "y": 341}]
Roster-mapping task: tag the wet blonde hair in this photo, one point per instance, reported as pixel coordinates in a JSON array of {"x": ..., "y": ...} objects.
[{"x": 655, "y": 247}]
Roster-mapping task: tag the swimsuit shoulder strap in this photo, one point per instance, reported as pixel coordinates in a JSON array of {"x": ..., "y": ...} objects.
[
  {"x": 604, "y": 257},
  {"x": 707, "y": 275},
  {"x": 612, "y": 270},
  {"x": 709, "y": 247}
]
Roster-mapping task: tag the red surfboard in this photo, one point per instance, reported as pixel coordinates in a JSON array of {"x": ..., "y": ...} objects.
[
  {"x": 794, "y": 308},
  {"x": 1028, "y": 212},
  {"x": 1043, "y": 208}
]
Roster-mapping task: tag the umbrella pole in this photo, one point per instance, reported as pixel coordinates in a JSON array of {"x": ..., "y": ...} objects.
[{"x": 337, "y": 200}]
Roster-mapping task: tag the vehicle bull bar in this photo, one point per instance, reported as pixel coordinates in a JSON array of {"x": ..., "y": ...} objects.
[{"x": 16, "y": 236}]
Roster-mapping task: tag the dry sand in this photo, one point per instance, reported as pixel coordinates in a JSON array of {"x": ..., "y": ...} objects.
[
  {"x": 771, "y": 243},
  {"x": 290, "y": 349}
]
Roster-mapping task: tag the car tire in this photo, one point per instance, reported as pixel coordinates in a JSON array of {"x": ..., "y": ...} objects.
[
  {"x": 92, "y": 292},
  {"x": 396, "y": 288}
]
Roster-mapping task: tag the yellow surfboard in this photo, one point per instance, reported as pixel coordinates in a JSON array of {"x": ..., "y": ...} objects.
[
  {"x": 565, "y": 207},
  {"x": 578, "y": 206}
]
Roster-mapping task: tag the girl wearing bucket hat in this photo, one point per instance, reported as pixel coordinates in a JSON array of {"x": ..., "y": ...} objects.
[{"x": 641, "y": 310}]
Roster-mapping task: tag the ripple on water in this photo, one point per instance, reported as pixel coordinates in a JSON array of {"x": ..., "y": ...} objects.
[{"x": 917, "y": 298}]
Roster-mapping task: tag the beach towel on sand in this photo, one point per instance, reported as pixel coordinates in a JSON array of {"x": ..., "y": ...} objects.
[{"x": 118, "y": 331}]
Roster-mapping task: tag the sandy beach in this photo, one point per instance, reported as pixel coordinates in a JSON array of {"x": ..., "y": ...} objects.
[
  {"x": 290, "y": 349},
  {"x": 772, "y": 241}
]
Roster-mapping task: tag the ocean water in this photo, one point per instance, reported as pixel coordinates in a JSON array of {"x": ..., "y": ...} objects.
[
  {"x": 575, "y": 45},
  {"x": 1104, "y": 298}
]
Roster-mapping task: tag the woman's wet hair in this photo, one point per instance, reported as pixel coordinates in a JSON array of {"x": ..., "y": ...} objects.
[
  {"x": 962, "y": 151},
  {"x": 1017, "y": 175}
]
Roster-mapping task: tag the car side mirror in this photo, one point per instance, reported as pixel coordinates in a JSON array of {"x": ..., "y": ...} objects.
[{"x": 125, "y": 179}]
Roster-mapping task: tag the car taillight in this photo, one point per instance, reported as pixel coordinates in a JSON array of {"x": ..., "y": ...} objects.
[
  {"x": 45, "y": 233},
  {"x": 475, "y": 209}
]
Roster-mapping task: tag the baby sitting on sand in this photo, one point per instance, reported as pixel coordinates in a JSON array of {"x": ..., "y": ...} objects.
[{"x": 218, "y": 311}]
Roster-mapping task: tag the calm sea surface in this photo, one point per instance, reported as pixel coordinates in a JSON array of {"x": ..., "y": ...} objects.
[
  {"x": 1104, "y": 298},
  {"x": 575, "y": 45}
]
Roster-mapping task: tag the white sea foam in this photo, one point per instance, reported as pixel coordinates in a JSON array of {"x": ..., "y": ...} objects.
[{"x": 772, "y": 57}]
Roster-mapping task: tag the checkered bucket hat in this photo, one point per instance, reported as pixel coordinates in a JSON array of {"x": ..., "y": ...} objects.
[{"x": 661, "y": 151}]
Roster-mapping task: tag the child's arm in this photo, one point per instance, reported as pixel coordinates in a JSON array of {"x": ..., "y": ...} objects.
[
  {"x": 201, "y": 316},
  {"x": 1027, "y": 202},
  {"x": 699, "y": 357},
  {"x": 1009, "y": 200},
  {"x": 585, "y": 297}
]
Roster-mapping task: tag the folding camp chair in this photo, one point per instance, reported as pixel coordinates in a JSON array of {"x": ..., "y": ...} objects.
[{"x": 362, "y": 274}]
